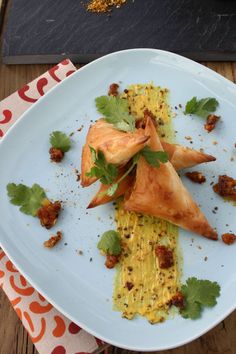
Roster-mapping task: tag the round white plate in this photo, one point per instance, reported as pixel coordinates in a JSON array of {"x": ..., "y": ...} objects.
[{"x": 82, "y": 289}]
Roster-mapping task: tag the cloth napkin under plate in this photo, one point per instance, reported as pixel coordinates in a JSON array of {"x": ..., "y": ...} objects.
[{"x": 50, "y": 331}]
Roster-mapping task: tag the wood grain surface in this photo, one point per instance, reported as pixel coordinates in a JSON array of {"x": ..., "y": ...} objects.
[{"x": 14, "y": 339}]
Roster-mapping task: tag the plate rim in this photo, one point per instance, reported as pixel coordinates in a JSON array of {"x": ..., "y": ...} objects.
[{"x": 31, "y": 281}]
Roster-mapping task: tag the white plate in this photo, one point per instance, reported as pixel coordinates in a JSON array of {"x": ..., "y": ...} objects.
[{"x": 81, "y": 289}]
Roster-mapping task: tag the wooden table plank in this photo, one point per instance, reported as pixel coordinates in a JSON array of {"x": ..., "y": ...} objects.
[{"x": 13, "y": 337}]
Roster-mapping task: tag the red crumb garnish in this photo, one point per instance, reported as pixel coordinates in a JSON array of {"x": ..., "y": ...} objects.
[
  {"x": 210, "y": 124},
  {"x": 48, "y": 213},
  {"x": 228, "y": 238},
  {"x": 54, "y": 239}
]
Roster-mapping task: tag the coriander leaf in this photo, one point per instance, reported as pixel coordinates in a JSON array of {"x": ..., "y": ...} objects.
[
  {"x": 202, "y": 107},
  {"x": 116, "y": 111},
  {"x": 60, "y": 141},
  {"x": 191, "y": 310},
  {"x": 191, "y": 106},
  {"x": 198, "y": 293},
  {"x": 17, "y": 194},
  {"x": 104, "y": 171},
  {"x": 111, "y": 190},
  {"x": 110, "y": 243},
  {"x": 154, "y": 157},
  {"x": 29, "y": 199}
]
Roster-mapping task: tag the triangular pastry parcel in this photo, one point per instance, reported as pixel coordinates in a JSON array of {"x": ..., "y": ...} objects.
[
  {"x": 183, "y": 157},
  {"x": 160, "y": 192},
  {"x": 117, "y": 146}
]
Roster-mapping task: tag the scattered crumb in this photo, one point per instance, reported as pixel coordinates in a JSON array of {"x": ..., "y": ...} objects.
[
  {"x": 188, "y": 137},
  {"x": 72, "y": 133},
  {"x": 65, "y": 244},
  {"x": 79, "y": 129},
  {"x": 205, "y": 258},
  {"x": 199, "y": 247},
  {"x": 225, "y": 150},
  {"x": 53, "y": 240},
  {"x": 232, "y": 159},
  {"x": 214, "y": 142},
  {"x": 174, "y": 114},
  {"x": 201, "y": 150},
  {"x": 90, "y": 259},
  {"x": 80, "y": 253},
  {"x": 180, "y": 105},
  {"x": 228, "y": 238}
]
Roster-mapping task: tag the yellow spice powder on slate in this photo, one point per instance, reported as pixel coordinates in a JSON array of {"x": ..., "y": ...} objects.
[{"x": 104, "y": 5}]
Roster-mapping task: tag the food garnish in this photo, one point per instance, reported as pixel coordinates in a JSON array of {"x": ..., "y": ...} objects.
[
  {"x": 165, "y": 257},
  {"x": 113, "y": 90},
  {"x": 30, "y": 199},
  {"x": 110, "y": 243},
  {"x": 228, "y": 238},
  {"x": 226, "y": 187},
  {"x": 48, "y": 213},
  {"x": 102, "y": 6},
  {"x": 111, "y": 261},
  {"x": 202, "y": 107},
  {"x": 60, "y": 144},
  {"x": 210, "y": 124},
  {"x": 197, "y": 295},
  {"x": 116, "y": 111},
  {"x": 196, "y": 177},
  {"x": 33, "y": 201},
  {"x": 53, "y": 240},
  {"x": 56, "y": 155},
  {"x": 105, "y": 172}
]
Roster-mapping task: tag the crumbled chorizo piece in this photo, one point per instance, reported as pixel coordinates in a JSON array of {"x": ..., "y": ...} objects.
[
  {"x": 196, "y": 177},
  {"x": 129, "y": 285},
  {"x": 56, "y": 155},
  {"x": 141, "y": 123},
  {"x": 54, "y": 239},
  {"x": 212, "y": 119},
  {"x": 111, "y": 261},
  {"x": 165, "y": 257},
  {"x": 113, "y": 90},
  {"x": 229, "y": 239},
  {"x": 48, "y": 213},
  {"x": 178, "y": 300},
  {"x": 226, "y": 187}
]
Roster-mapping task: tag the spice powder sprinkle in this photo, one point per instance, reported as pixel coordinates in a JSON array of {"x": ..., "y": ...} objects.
[{"x": 99, "y": 6}]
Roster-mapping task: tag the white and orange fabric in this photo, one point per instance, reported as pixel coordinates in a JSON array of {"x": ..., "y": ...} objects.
[{"x": 50, "y": 331}]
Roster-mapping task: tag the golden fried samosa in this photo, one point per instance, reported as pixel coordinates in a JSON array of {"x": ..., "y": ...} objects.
[
  {"x": 117, "y": 146},
  {"x": 160, "y": 192},
  {"x": 183, "y": 157},
  {"x": 101, "y": 197}
]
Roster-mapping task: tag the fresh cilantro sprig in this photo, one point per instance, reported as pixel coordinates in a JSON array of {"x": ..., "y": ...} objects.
[
  {"x": 116, "y": 111},
  {"x": 30, "y": 199},
  {"x": 198, "y": 294},
  {"x": 105, "y": 172},
  {"x": 154, "y": 158},
  {"x": 60, "y": 141},
  {"x": 110, "y": 243},
  {"x": 202, "y": 107}
]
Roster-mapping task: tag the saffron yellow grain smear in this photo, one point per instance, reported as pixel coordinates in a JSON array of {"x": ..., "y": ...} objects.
[{"x": 141, "y": 287}]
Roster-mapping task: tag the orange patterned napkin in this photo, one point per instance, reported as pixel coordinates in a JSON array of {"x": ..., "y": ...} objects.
[{"x": 50, "y": 331}]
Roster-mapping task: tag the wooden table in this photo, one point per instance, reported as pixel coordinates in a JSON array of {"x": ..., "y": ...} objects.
[{"x": 14, "y": 339}]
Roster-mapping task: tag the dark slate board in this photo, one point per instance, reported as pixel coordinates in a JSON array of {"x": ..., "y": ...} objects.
[{"x": 46, "y": 31}]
